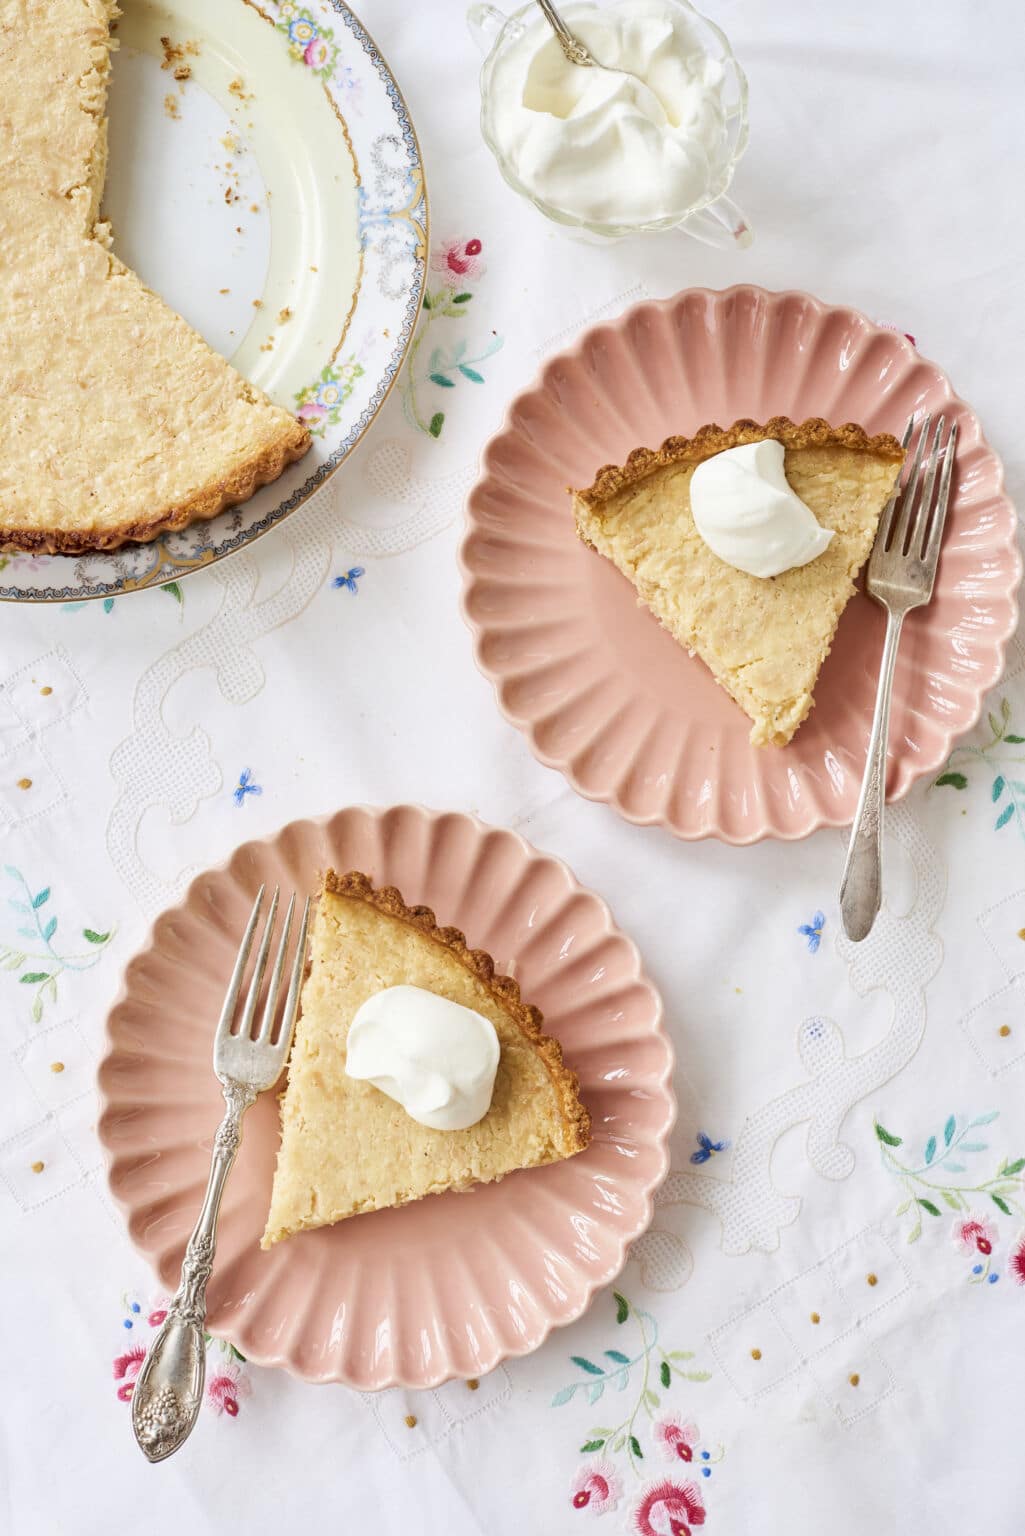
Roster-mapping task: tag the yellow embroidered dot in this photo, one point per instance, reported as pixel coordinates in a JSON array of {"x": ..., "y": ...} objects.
[
  {"x": 854, "y": 1378},
  {"x": 816, "y": 1318},
  {"x": 38, "y": 1167},
  {"x": 24, "y": 783},
  {"x": 46, "y": 692},
  {"x": 756, "y": 1354},
  {"x": 1004, "y": 1031},
  {"x": 410, "y": 1420},
  {"x": 872, "y": 1279},
  {"x": 473, "y": 1383},
  {"x": 56, "y": 1066}
]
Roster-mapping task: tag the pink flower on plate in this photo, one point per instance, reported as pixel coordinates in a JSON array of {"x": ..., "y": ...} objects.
[
  {"x": 974, "y": 1234},
  {"x": 675, "y": 1439},
  {"x": 597, "y": 1487},
  {"x": 1016, "y": 1261},
  {"x": 458, "y": 261},
  {"x": 224, "y": 1389},
  {"x": 311, "y": 411},
  {"x": 126, "y": 1368},
  {"x": 316, "y": 53},
  {"x": 669, "y": 1509}
]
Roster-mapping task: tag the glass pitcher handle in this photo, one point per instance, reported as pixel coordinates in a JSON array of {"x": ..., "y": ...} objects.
[
  {"x": 721, "y": 223},
  {"x": 485, "y": 23}
]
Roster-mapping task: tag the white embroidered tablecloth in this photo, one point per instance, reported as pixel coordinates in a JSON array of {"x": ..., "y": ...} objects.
[{"x": 825, "y": 1327}]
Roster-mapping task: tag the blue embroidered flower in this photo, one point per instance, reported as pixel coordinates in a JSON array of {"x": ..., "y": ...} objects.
[
  {"x": 707, "y": 1148},
  {"x": 350, "y": 579},
  {"x": 813, "y": 931},
  {"x": 245, "y": 786}
]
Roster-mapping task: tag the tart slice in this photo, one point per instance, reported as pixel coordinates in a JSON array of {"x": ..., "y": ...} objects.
[
  {"x": 764, "y": 640},
  {"x": 345, "y": 1146},
  {"x": 119, "y": 422}
]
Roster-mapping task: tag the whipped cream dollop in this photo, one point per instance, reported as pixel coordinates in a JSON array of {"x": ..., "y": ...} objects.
[
  {"x": 636, "y": 138},
  {"x": 434, "y": 1057},
  {"x": 747, "y": 513}
]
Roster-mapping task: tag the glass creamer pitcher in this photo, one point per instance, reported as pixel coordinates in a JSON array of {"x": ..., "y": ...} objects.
[{"x": 713, "y": 217}]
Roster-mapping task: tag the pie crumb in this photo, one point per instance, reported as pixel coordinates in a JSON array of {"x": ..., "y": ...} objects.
[
  {"x": 284, "y": 314},
  {"x": 410, "y": 1421},
  {"x": 171, "y": 107},
  {"x": 237, "y": 87},
  {"x": 183, "y": 72}
]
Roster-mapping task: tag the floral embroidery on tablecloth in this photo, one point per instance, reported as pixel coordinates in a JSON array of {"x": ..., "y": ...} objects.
[
  {"x": 940, "y": 1176},
  {"x": 648, "y": 1430},
  {"x": 246, "y": 786},
  {"x": 460, "y": 263},
  {"x": 812, "y": 932},
  {"x": 227, "y": 1381},
  {"x": 1006, "y": 791},
  {"x": 349, "y": 580},
  {"x": 172, "y": 588},
  {"x": 30, "y": 951},
  {"x": 707, "y": 1148}
]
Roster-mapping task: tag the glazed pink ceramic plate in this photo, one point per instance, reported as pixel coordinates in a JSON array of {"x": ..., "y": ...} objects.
[
  {"x": 601, "y": 691},
  {"x": 455, "y": 1283}
]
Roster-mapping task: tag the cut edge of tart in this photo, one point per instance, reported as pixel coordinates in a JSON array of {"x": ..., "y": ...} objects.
[
  {"x": 346, "y": 1148},
  {"x": 763, "y": 639}
]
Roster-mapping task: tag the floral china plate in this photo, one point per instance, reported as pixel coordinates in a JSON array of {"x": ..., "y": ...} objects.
[
  {"x": 274, "y": 196},
  {"x": 495, "y": 1268},
  {"x": 606, "y": 695}
]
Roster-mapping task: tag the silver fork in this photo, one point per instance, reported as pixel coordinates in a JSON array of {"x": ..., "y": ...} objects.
[
  {"x": 901, "y": 574},
  {"x": 169, "y": 1388}
]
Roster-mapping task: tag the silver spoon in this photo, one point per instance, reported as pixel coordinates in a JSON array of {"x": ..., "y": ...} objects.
[{"x": 571, "y": 46}]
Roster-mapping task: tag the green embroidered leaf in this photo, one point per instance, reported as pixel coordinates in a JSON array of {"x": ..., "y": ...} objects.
[
  {"x": 43, "y": 896},
  {"x": 974, "y": 1146},
  {"x": 949, "y": 1129},
  {"x": 50, "y": 930},
  {"x": 236, "y": 1353},
  {"x": 1015, "y": 1167},
  {"x": 30, "y": 977},
  {"x": 471, "y": 373},
  {"x": 1005, "y": 708},
  {"x": 618, "y": 1443},
  {"x": 604, "y": 1430},
  {"x": 12, "y": 961},
  {"x": 563, "y": 1395},
  {"x": 986, "y": 1119},
  {"x": 905, "y": 1205},
  {"x": 592, "y": 1445},
  {"x": 915, "y": 1233},
  {"x": 698, "y": 1375},
  {"x": 595, "y": 1390},
  {"x": 1010, "y": 1190},
  {"x": 587, "y": 1365},
  {"x": 886, "y": 1136},
  {"x": 999, "y": 785},
  {"x": 951, "y": 1200},
  {"x": 9, "y": 869},
  {"x": 1004, "y": 817},
  {"x": 92, "y": 937},
  {"x": 440, "y": 378},
  {"x": 428, "y": 301},
  {"x": 665, "y": 1375},
  {"x": 622, "y": 1307},
  {"x": 618, "y": 1356},
  {"x": 952, "y": 1167},
  {"x": 681, "y": 1354},
  {"x": 37, "y": 1008},
  {"x": 173, "y": 589},
  {"x": 437, "y": 421},
  {"x": 930, "y": 1149},
  {"x": 955, "y": 780},
  {"x": 635, "y": 1446},
  {"x": 49, "y": 989},
  {"x": 651, "y": 1398},
  {"x": 1001, "y": 1204},
  {"x": 461, "y": 298},
  {"x": 1018, "y": 741},
  {"x": 927, "y": 1205},
  {"x": 994, "y": 724}
]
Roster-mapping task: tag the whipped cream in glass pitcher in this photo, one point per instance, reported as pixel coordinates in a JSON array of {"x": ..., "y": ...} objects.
[{"x": 645, "y": 139}]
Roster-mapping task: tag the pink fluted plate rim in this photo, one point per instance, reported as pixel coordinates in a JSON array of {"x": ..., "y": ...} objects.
[
  {"x": 600, "y": 690},
  {"x": 453, "y": 1284}
]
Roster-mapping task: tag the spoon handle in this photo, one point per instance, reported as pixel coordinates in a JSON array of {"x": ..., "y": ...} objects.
[{"x": 571, "y": 46}]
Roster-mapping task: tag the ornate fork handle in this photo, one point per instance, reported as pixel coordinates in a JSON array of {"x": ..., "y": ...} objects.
[{"x": 169, "y": 1388}]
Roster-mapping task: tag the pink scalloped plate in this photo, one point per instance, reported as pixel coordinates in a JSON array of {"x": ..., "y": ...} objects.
[
  {"x": 607, "y": 696},
  {"x": 453, "y": 1284}
]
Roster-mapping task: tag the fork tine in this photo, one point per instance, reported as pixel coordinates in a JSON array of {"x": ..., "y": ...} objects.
[
  {"x": 231, "y": 996},
  {"x": 253, "y": 994},
  {"x": 912, "y": 491},
  {"x": 883, "y": 531},
  {"x": 291, "y": 1012},
  {"x": 932, "y": 548},
  {"x": 920, "y": 526},
  {"x": 267, "y": 1022}
]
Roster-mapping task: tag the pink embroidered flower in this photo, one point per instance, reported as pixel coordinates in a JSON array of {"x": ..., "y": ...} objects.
[
  {"x": 316, "y": 53},
  {"x": 974, "y": 1234},
  {"x": 675, "y": 1439},
  {"x": 157, "y": 1317},
  {"x": 224, "y": 1389},
  {"x": 669, "y": 1509},
  {"x": 1016, "y": 1261},
  {"x": 126, "y": 1368},
  {"x": 597, "y": 1487},
  {"x": 458, "y": 261}
]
